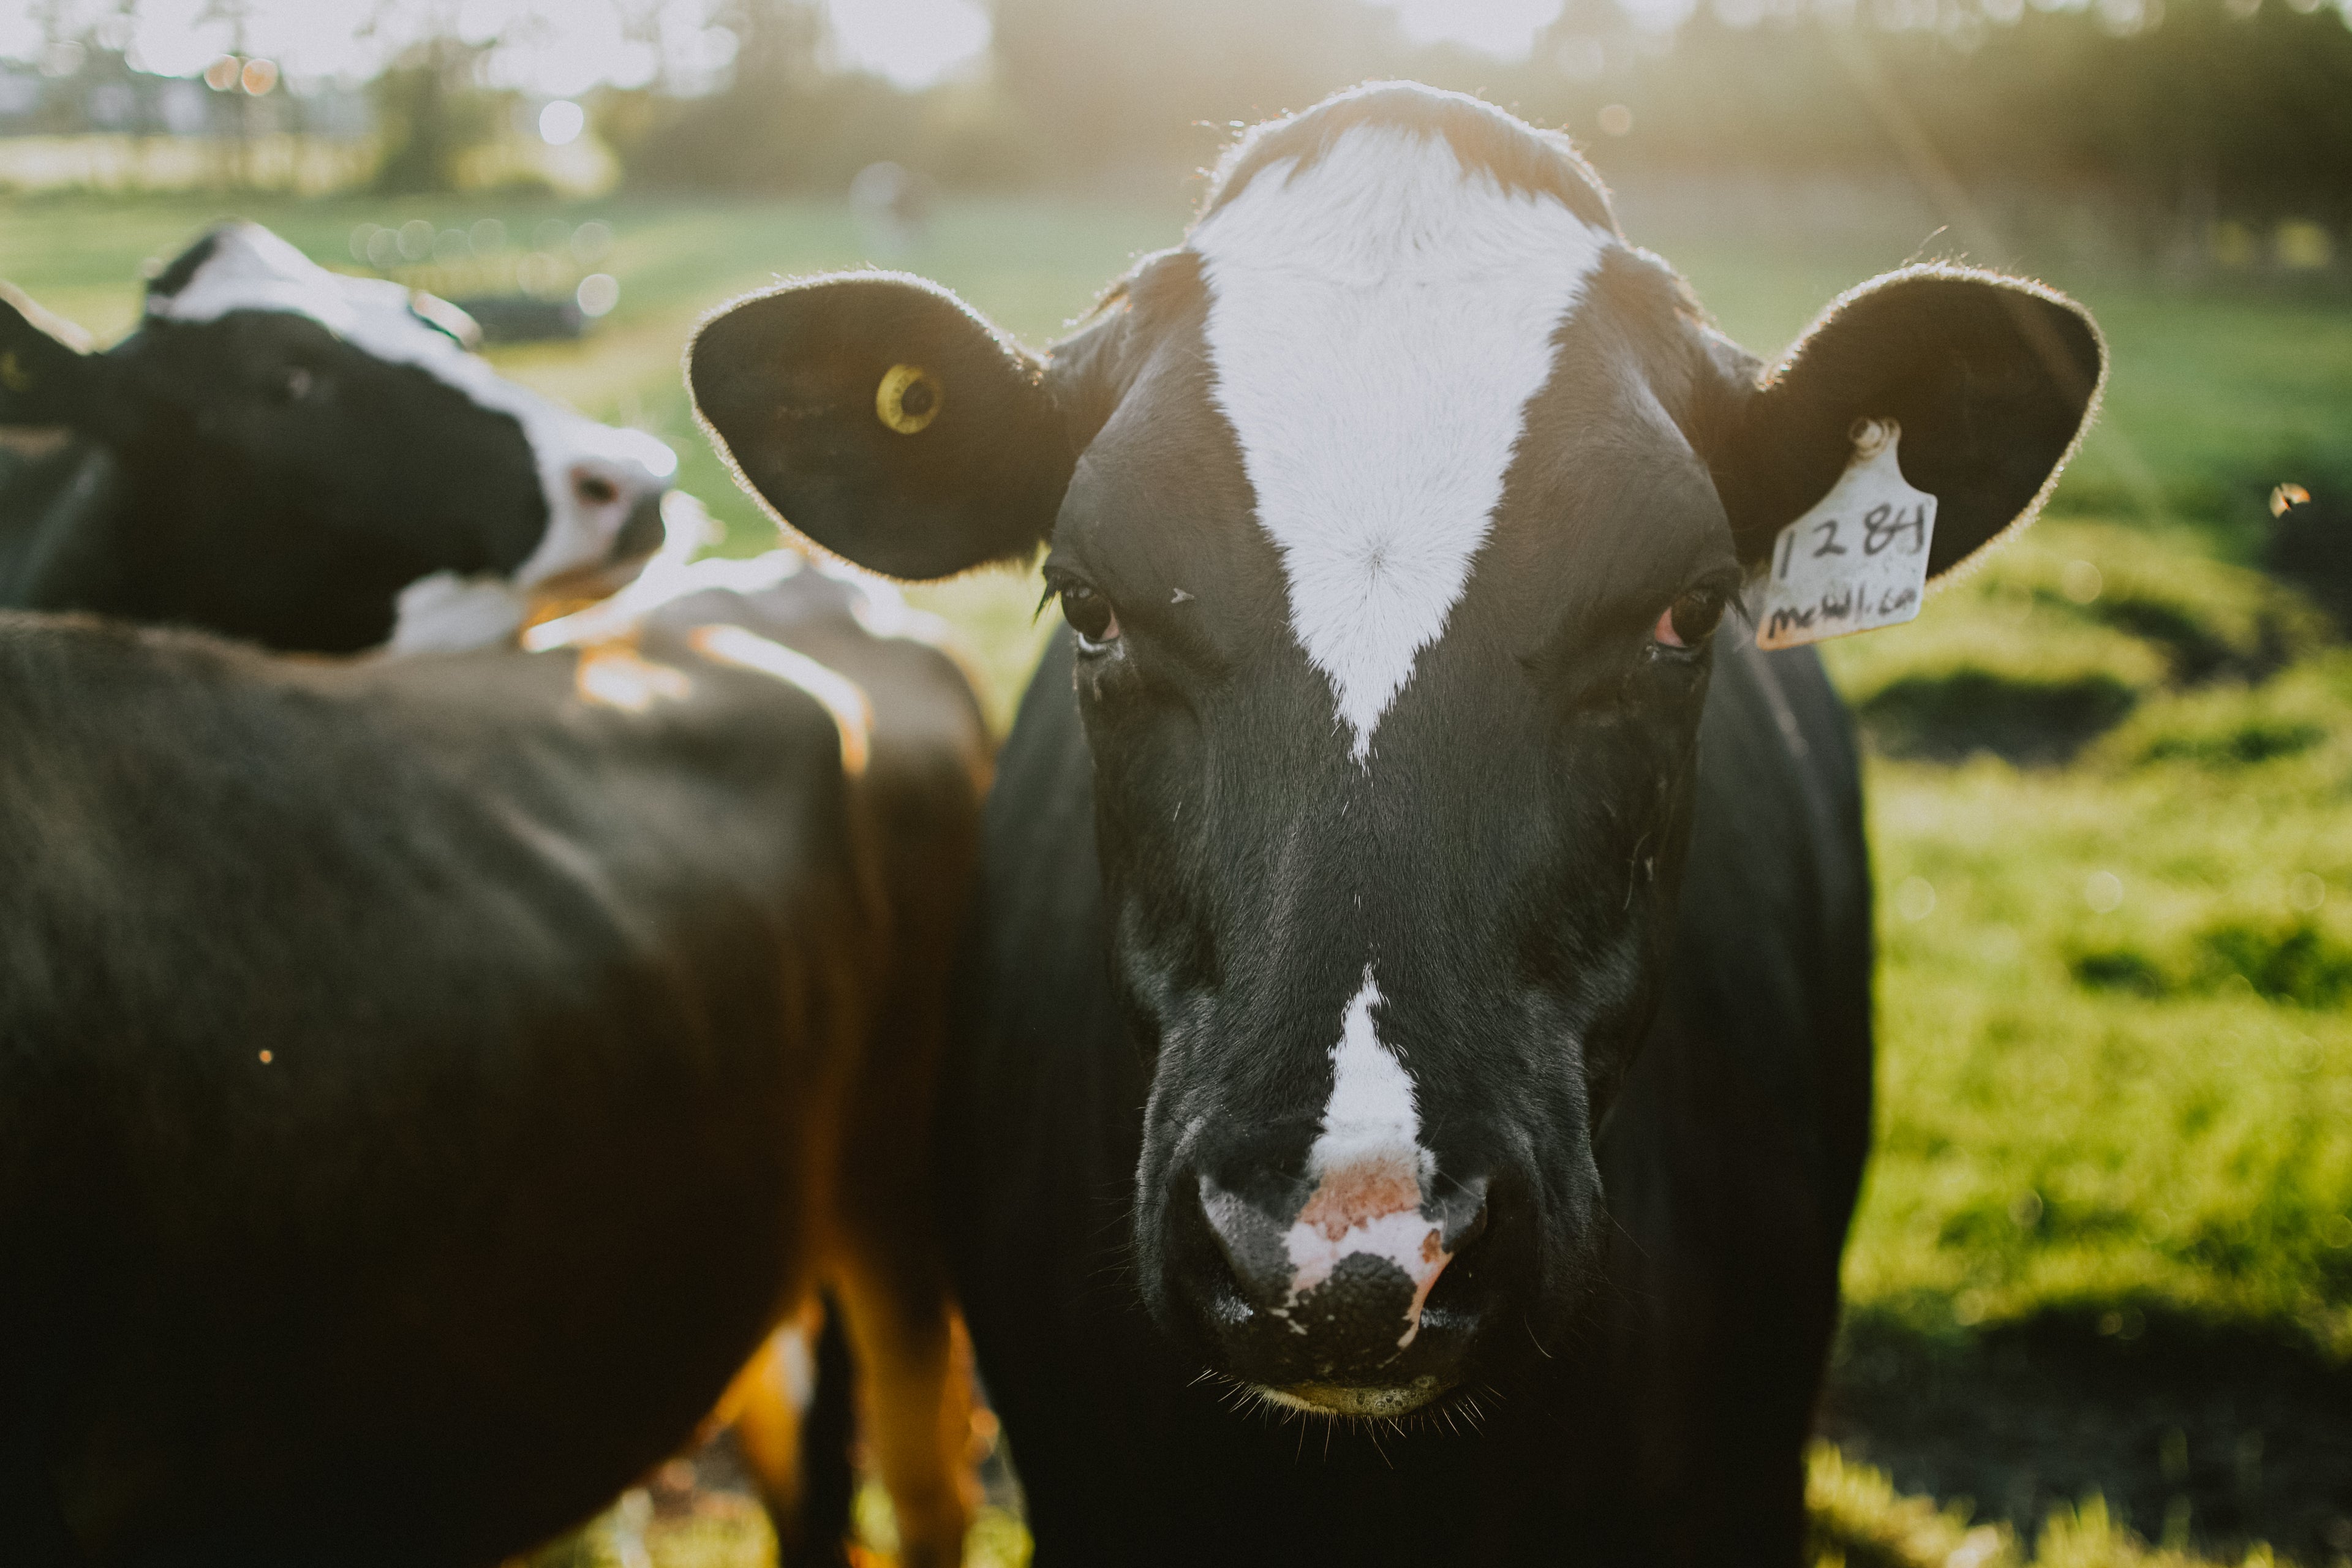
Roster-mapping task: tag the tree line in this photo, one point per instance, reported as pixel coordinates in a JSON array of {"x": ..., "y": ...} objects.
[
  {"x": 2216, "y": 109},
  {"x": 2190, "y": 111}
]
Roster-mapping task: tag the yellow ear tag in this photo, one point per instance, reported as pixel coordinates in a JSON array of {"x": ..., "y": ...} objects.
[
  {"x": 13, "y": 374},
  {"x": 909, "y": 398}
]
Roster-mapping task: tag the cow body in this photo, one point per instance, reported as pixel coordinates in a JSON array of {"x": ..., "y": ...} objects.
[
  {"x": 317, "y": 463},
  {"x": 423, "y": 1087},
  {"x": 1664, "y": 1427},
  {"x": 1422, "y": 984}
]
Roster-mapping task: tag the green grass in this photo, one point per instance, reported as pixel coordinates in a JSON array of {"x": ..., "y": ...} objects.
[
  {"x": 2113, "y": 828},
  {"x": 1860, "y": 1521},
  {"x": 2117, "y": 1068}
]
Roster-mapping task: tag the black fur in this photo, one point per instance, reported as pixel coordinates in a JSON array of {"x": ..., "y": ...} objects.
[{"x": 183, "y": 268}]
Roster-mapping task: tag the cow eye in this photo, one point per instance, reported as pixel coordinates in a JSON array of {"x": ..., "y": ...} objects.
[
  {"x": 1090, "y": 616},
  {"x": 1691, "y": 619},
  {"x": 298, "y": 384}
]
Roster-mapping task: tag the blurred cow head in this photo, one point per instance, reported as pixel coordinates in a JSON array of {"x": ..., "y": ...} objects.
[{"x": 312, "y": 460}]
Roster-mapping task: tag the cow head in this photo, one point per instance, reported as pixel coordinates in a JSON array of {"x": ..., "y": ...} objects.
[
  {"x": 1396, "y": 516},
  {"x": 316, "y": 461}
]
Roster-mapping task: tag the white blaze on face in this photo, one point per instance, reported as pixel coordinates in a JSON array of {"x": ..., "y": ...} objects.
[
  {"x": 251, "y": 269},
  {"x": 1369, "y": 1169},
  {"x": 1377, "y": 326}
]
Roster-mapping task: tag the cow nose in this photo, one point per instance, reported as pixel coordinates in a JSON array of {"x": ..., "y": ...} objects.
[
  {"x": 1352, "y": 1270},
  {"x": 595, "y": 487},
  {"x": 1253, "y": 1244},
  {"x": 625, "y": 499},
  {"x": 643, "y": 531}
]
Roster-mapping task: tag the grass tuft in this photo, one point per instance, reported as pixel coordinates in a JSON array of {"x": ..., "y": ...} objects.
[{"x": 1861, "y": 1520}]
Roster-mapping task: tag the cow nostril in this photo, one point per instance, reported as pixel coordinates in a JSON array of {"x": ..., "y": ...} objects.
[
  {"x": 596, "y": 490},
  {"x": 642, "y": 532},
  {"x": 1249, "y": 1243}
]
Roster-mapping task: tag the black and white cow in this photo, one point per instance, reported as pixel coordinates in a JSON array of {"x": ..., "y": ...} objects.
[
  {"x": 1424, "y": 972},
  {"x": 308, "y": 460},
  {"x": 312, "y": 460},
  {"x": 424, "y": 1081}
]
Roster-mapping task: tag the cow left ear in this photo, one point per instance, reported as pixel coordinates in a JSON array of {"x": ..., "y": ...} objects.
[
  {"x": 881, "y": 418},
  {"x": 1991, "y": 380},
  {"x": 46, "y": 373}
]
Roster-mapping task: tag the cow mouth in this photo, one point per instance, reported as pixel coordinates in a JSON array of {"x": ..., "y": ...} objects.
[{"x": 1368, "y": 1401}]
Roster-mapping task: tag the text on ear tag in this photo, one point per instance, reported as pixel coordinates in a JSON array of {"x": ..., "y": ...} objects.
[
  {"x": 14, "y": 376},
  {"x": 1858, "y": 559},
  {"x": 909, "y": 398}
]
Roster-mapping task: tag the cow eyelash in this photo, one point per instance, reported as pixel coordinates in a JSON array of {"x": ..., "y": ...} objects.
[
  {"x": 1090, "y": 614},
  {"x": 1688, "y": 624}
]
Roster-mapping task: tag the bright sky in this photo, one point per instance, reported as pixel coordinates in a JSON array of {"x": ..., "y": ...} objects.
[{"x": 558, "y": 49}]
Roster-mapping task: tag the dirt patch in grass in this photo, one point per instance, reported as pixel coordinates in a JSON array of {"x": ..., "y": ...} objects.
[{"x": 2222, "y": 1436}]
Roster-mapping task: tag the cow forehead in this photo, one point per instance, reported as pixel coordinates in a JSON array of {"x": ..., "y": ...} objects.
[
  {"x": 247, "y": 268},
  {"x": 1378, "y": 322}
]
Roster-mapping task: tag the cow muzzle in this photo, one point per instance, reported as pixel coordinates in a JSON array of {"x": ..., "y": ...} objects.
[
  {"x": 642, "y": 529},
  {"x": 1332, "y": 1297}
]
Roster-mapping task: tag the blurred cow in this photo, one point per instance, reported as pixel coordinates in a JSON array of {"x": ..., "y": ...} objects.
[
  {"x": 318, "y": 463},
  {"x": 310, "y": 460},
  {"x": 424, "y": 1081}
]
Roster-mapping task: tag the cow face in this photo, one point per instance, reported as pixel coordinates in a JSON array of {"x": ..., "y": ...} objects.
[
  {"x": 1396, "y": 517},
  {"x": 319, "y": 461}
]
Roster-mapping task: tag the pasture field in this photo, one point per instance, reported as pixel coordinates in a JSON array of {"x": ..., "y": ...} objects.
[{"x": 2100, "y": 1288}]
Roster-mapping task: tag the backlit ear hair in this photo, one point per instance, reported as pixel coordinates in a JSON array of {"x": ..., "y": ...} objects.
[
  {"x": 45, "y": 364},
  {"x": 1993, "y": 380},
  {"x": 882, "y": 418}
]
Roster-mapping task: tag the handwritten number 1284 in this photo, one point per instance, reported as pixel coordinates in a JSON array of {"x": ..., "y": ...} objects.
[{"x": 1881, "y": 527}]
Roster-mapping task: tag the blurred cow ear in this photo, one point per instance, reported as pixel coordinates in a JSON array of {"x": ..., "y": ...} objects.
[
  {"x": 1991, "y": 380},
  {"x": 884, "y": 420},
  {"x": 47, "y": 375}
]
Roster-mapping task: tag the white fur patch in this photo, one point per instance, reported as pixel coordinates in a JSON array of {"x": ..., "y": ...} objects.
[
  {"x": 1369, "y": 1170},
  {"x": 446, "y": 613},
  {"x": 1377, "y": 327},
  {"x": 251, "y": 269},
  {"x": 1371, "y": 1113}
]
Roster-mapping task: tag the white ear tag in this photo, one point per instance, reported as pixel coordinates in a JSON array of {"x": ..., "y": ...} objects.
[{"x": 1858, "y": 560}]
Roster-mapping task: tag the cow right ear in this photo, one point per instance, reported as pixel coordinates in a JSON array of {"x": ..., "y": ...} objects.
[
  {"x": 1990, "y": 381},
  {"x": 47, "y": 375},
  {"x": 877, "y": 414}
]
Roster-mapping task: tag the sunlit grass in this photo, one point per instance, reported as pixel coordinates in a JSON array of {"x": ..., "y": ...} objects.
[
  {"x": 728, "y": 1530},
  {"x": 2114, "y": 1069},
  {"x": 1860, "y": 1521}
]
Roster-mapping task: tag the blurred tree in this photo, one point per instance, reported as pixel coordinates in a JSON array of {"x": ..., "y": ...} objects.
[
  {"x": 1107, "y": 84},
  {"x": 782, "y": 122},
  {"x": 432, "y": 108},
  {"x": 745, "y": 135}
]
